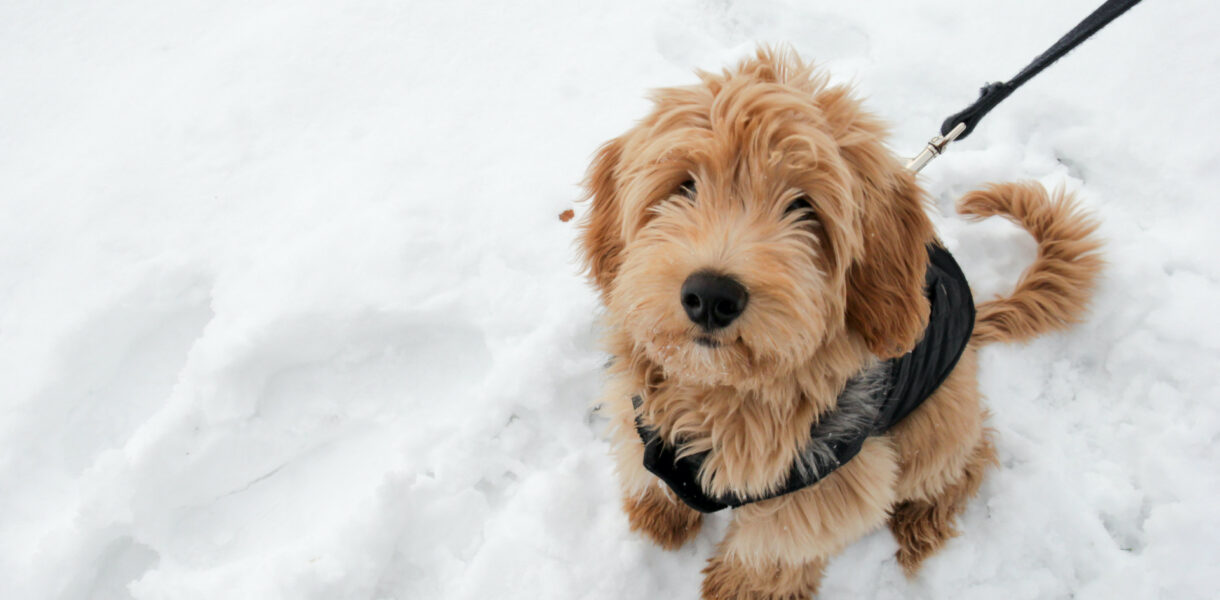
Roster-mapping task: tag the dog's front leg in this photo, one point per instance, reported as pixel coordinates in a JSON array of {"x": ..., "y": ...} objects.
[
  {"x": 651, "y": 508},
  {"x": 730, "y": 577},
  {"x": 660, "y": 516},
  {"x": 777, "y": 549}
]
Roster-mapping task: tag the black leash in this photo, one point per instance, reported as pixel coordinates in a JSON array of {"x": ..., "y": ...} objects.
[{"x": 962, "y": 124}]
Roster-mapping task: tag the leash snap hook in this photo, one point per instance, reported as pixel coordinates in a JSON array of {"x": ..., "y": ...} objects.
[{"x": 936, "y": 146}]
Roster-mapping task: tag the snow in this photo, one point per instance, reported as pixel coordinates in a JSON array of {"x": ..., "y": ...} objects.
[{"x": 286, "y": 310}]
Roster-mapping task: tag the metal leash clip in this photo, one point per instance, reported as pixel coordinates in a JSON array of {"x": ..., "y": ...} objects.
[{"x": 935, "y": 147}]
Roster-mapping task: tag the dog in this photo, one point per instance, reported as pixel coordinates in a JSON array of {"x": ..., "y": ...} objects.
[{"x": 757, "y": 248}]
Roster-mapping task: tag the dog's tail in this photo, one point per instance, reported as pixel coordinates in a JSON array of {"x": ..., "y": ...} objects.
[{"x": 1054, "y": 291}]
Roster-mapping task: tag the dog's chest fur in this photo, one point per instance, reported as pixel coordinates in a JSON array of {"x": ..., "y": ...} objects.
[{"x": 752, "y": 436}]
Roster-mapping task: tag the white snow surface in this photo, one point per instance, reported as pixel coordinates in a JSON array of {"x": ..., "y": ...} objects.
[{"x": 286, "y": 310}]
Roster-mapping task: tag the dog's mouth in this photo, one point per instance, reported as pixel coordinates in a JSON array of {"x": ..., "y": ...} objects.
[{"x": 701, "y": 357}]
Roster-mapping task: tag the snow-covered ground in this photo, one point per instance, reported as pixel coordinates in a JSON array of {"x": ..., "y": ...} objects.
[{"x": 286, "y": 310}]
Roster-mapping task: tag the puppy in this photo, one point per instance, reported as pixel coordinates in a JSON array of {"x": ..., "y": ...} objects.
[{"x": 760, "y": 254}]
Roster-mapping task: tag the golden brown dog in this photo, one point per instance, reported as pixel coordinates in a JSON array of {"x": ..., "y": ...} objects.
[{"x": 781, "y": 188}]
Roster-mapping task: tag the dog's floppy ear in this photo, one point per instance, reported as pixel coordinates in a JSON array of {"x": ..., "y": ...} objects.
[
  {"x": 601, "y": 233},
  {"x": 885, "y": 298}
]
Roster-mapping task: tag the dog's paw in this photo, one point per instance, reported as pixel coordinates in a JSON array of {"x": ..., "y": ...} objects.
[
  {"x": 920, "y": 530},
  {"x": 728, "y": 579},
  {"x": 666, "y": 521}
]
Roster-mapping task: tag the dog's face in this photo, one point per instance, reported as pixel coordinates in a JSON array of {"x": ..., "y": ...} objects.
[{"x": 750, "y": 219}]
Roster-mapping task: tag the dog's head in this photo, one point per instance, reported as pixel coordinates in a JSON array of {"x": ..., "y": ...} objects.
[{"x": 750, "y": 219}]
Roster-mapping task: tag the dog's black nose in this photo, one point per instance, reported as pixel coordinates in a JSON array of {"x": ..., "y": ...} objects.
[{"x": 712, "y": 301}]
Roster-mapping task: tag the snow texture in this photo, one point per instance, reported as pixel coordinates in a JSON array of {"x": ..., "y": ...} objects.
[{"x": 286, "y": 310}]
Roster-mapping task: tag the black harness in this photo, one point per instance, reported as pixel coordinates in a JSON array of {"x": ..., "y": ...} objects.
[{"x": 870, "y": 404}]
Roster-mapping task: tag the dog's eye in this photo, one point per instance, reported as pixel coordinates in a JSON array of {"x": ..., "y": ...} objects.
[
  {"x": 686, "y": 188},
  {"x": 802, "y": 206}
]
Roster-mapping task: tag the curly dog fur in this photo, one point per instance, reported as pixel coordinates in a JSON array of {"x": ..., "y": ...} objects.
[{"x": 768, "y": 174}]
